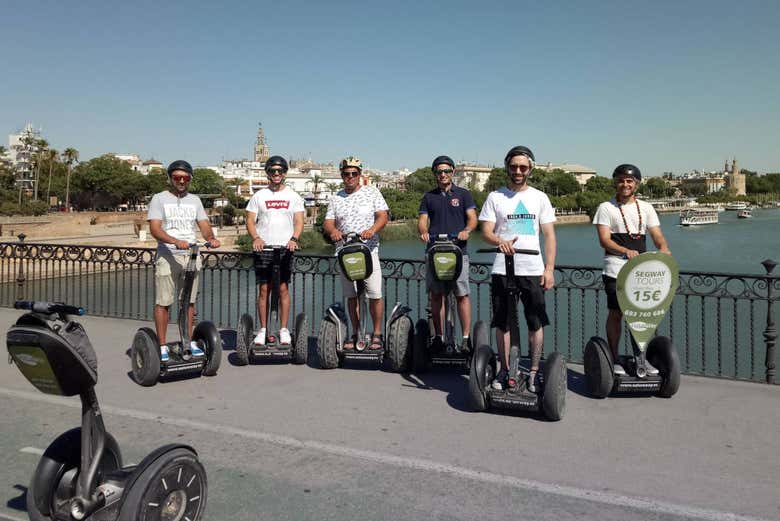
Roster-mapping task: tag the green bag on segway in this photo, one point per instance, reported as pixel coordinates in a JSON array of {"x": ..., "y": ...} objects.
[
  {"x": 356, "y": 262},
  {"x": 445, "y": 260}
]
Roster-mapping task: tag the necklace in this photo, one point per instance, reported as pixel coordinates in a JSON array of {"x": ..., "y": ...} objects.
[{"x": 638, "y": 233}]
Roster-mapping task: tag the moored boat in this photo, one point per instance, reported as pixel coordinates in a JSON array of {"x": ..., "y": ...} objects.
[
  {"x": 745, "y": 214},
  {"x": 737, "y": 206}
]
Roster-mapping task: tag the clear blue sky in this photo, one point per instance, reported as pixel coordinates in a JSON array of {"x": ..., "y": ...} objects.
[{"x": 665, "y": 86}]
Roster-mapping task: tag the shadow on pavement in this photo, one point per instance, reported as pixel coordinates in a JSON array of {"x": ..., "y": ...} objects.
[{"x": 19, "y": 502}]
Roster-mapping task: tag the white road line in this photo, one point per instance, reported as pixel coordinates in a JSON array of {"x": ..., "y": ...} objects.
[
  {"x": 635, "y": 502},
  {"x": 32, "y": 450}
]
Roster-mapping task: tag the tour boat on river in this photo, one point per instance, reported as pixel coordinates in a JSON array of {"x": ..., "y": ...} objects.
[
  {"x": 697, "y": 216},
  {"x": 737, "y": 206}
]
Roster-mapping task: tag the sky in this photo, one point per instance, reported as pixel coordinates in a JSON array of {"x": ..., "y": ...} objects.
[{"x": 668, "y": 86}]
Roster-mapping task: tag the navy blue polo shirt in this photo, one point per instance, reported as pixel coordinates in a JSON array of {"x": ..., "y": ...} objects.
[{"x": 447, "y": 211}]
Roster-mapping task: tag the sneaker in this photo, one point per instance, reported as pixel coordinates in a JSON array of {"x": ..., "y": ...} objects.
[
  {"x": 164, "y": 355},
  {"x": 284, "y": 337},
  {"x": 501, "y": 380},
  {"x": 196, "y": 350},
  {"x": 465, "y": 345},
  {"x": 651, "y": 371},
  {"x": 260, "y": 338},
  {"x": 437, "y": 344},
  {"x": 532, "y": 381},
  {"x": 618, "y": 370}
]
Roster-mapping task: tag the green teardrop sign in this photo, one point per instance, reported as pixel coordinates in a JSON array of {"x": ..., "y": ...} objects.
[{"x": 646, "y": 286}]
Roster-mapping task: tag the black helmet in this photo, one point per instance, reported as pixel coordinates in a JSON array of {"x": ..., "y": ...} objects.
[
  {"x": 519, "y": 150},
  {"x": 276, "y": 161},
  {"x": 180, "y": 164},
  {"x": 442, "y": 160},
  {"x": 627, "y": 169}
]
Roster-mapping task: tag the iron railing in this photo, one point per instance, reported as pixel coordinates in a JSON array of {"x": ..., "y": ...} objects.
[{"x": 723, "y": 324}]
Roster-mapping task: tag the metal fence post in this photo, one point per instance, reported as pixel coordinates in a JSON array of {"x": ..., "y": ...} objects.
[
  {"x": 20, "y": 277},
  {"x": 770, "y": 333}
]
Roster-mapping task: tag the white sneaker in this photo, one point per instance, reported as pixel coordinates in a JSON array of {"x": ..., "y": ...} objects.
[
  {"x": 618, "y": 370},
  {"x": 284, "y": 337},
  {"x": 651, "y": 371},
  {"x": 532, "y": 381},
  {"x": 500, "y": 382},
  {"x": 196, "y": 350},
  {"x": 260, "y": 338},
  {"x": 164, "y": 355}
]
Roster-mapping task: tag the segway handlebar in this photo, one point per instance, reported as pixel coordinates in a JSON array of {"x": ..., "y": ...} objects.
[
  {"x": 517, "y": 250},
  {"x": 39, "y": 306},
  {"x": 199, "y": 244}
]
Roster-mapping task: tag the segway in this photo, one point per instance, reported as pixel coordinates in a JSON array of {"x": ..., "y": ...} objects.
[
  {"x": 246, "y": 350},
  {"x": 646, "y": 286},
  {"x": 550, "y": 396},
  {"x": 147, "y": 363},
  {"x": 444, "y": 260},
  {"x": 357, "y": 265},
  {"x": 80, "y": 475}
]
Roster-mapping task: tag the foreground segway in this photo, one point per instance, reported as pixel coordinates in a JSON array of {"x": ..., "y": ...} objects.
[
  {"x": 550, "y": 397},
  {"x": 356, "y": 263},
  {"x": 646, "y": 286},
  {"x": 80, "y": 475},
  {"x": 246, "y": 350},
  {"x": 148, "y": 366},
  {"x": 444, "y": 259}
]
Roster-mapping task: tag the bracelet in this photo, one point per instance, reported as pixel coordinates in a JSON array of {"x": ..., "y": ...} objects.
[{"x": 294, "y": 238}]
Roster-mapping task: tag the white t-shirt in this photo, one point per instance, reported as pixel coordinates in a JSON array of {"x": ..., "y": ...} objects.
[
  {"x": 354, "y": 212},
  {"x": 179, "y": 216},
  {"x": 518, "y": 214},
  {"x": 608, "y": 214},
  {"x": 274, "y": 212}
]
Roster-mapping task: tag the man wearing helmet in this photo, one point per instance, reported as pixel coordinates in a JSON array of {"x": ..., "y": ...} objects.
[
  {"x": 512, "y": 218},
  {"x": 450, "y": 210},
  {"x": 622, "y": 224},
  {"x": 274, "y": 217},
  {"x": 363, "y": 210},
  {"x": 173, "y": 216}
]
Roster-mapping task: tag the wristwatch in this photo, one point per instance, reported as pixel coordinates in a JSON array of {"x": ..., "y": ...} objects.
[{"x": 294, "y": 239}]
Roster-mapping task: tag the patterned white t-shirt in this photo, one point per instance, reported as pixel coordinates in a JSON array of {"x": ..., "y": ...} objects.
[
  {"x": 355, "y": 212},
  {"x": 274, "y": 212},
  {"x": 518, "y": 214},
  {"x": 179, "y": 216}
]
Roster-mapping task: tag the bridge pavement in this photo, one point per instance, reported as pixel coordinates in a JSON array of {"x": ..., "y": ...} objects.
[{"x": 290, "y": 442}]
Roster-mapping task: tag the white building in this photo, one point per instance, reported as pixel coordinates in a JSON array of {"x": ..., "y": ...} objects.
[
  {"x": 580, "y": 172},
  {"x": 21, "y": 147},
  {"x": 134, "y": 160}
]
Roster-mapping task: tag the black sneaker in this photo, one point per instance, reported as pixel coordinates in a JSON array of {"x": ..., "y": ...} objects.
[
  {"x": 437, "y": 344},
  {"x": 465, "y": 346}
]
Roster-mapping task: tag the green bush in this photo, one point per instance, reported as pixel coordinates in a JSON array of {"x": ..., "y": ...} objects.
[{"x": 244, "y": 243}]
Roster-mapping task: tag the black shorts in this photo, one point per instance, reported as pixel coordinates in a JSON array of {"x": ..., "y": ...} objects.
[
  {"x": 531, "y": 295},
  {"x": 264, "y": 266},
  {"x": 610, "y": 286}
]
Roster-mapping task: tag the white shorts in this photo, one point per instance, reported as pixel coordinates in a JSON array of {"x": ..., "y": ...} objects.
[{"x": 373, "y": 283}]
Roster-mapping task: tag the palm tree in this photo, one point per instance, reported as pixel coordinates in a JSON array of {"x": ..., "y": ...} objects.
[
  {"x": 41, "y": 145},
  {"x": 71, "y": 155},
  {"x": 27, "y": 145},
  {"x": 52, "y": 156}
]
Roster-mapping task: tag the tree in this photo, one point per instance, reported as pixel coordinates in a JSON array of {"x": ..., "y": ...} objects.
[
  {"x": 41, "y": 146},
  {"x": 51, "y": 157},
  {"x": 496, "y": 180},
  {"x": 98, "y": 177},
  {"x": 559, "y": 182},
  {"x": 71, "y": 155},
  {"x": 657, "y": 187},
  {"x": 421, "y": 180},
  {"x": 599, "y": 184},
  {"x": 206, "y": 181}
]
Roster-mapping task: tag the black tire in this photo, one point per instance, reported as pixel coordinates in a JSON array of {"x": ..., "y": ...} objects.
[
  {"x": 244, "y": 338},
  {"x": 554, "y": 395},
  {"x": 175, "y": 483},
  {"x": 400, "y": 337},
  {"x": 145, "y": 357},
  {"x": 480, "y": 335},
  {"x": 662, "y": 354},
  {"x": 597, "y": 359},
  {"x": 326, "y": 345},
  {"x": 207, "y": 333},
  {"x": 300, "y": 347},
  {"x": 55, "y": 477},
  {"x": 420, "y": 347},
  {"x": 483, "y": 370}
]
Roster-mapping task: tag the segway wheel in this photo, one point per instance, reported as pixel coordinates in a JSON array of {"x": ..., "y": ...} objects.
[
  {"x": 301, "y": 341},
  {"x": 554, "y": 395},
  {"x": 207, "y": 333},
  {"x": 173, "y": 487},
  {"x": 662, "y": 354},
  {"x": 145, "y": 357},
  {"x": 597, "y": 359},
  {"x": 326, "y": 345},
  {"x": 420, "y": 352},
  {"x": 244, "y": 338},
  {"x": 53, "y": 484},
  {"x": 399, "y": 340},
  {"x": 479, "y": 335},
  {"x": 483, "y": 370}
]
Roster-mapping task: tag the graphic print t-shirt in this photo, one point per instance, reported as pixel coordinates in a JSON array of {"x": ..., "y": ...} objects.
[
  {"x": 179, "y": 216},
  {"x": 355, "y": 212},
  {"x": 274, "y": 212},
  {"x": 518, "y": 214},
  {"x": 608, "y": 214}
]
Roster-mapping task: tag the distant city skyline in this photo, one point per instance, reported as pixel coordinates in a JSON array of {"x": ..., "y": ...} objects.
[{"x": 667, "y": 86}]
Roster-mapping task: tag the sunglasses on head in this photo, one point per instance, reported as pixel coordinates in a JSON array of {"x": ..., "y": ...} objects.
[
  {"x": 520, "y": 168},
  {"x": 446, "y": 171},
  {"x": 350, "y": 174}
]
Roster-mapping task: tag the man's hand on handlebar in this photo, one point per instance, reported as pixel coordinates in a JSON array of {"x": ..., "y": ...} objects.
[
  {"x": 507, "y": 247},
  {"x": 463, "y": 235},
  {"x": 425, "y": 237},
  {"x": 258, "y": 244},
  {"x": 292, "y": 245},
  {"x": 367, "y": 234},
  {"x": 336, "y": 236},
  {"x": 213, "y": 243},
  {"x": 181, "y": 244}
]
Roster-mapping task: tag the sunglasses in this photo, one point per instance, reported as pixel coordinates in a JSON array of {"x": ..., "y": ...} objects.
[
  {"x": 180, "y": 178},
  {"x": 446, "y": 171},
  {"x": 519, "y": 168},
  {"x": 350, "y": 174},
  {"x": 276, "y": 171}
]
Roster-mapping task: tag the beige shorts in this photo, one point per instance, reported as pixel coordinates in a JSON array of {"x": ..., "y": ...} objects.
[
  {"x": 168, "y": 275},
  {"x": 373, "y": 283}
]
